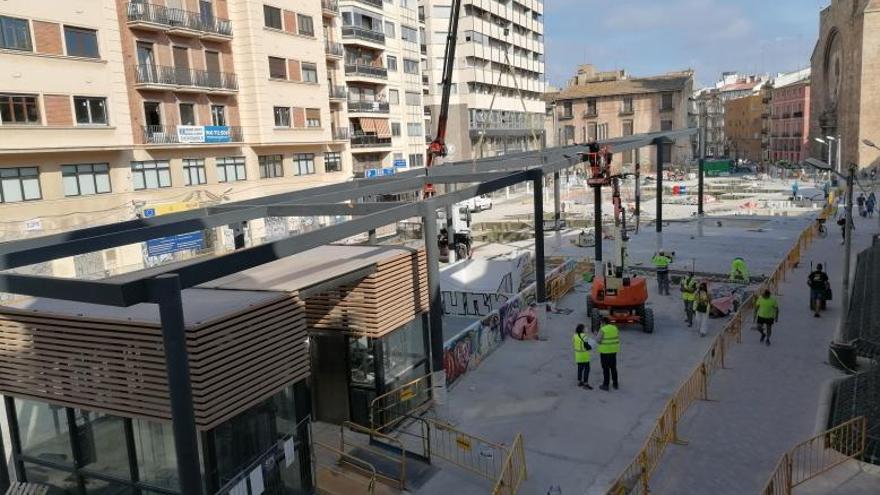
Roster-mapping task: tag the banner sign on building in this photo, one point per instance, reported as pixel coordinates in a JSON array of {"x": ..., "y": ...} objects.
[
  {"x": 399, "y": 163},
  {"x": 174, "y": 243},
  {"x": 197, "y": 134},
  {"x": 217, "y": 134}
]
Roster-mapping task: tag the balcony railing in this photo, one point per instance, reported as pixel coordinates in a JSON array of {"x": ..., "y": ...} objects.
[
  {"x": 667, "y": 108},
  {"x": 591, "y": 113},
  {"x": 341, "y": 133},
  {"x": 172, "y": 18},
  {"x": 333, "y": 48},
  {"x": 369, "y": 141},
  {"x": 168, "y": 134},
  {"x": 338, "y": 92},
  {"x": 363, "y": 34},
  {"x": 161, "y": 75},
  {"x": 372, "y": 3},
  {"x": 626, "y": 111},
  {"x": 368, "y": 106},
  {"x": 366, "y": 70},
  {"x": 566, "y": 116},
  {"x": 330, "y": 5}
]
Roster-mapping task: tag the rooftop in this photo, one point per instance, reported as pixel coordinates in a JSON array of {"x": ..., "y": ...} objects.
[{"x": 631, "y": 86}]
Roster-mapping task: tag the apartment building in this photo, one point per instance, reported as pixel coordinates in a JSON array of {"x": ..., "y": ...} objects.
[
  {"x": 382, "y": 72},
  {"x": 603, "y": 105},
  {"x": 710, "y": 104},
  {"x": 743, "y": 126},
  {"x": 790, "y": 118},
  {"x": 496, "y": 105},
  {"x": 115, "y": 110}
]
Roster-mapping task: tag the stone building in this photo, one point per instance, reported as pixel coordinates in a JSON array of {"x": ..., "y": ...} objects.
[
  {"x": 845, "y": 101},
  {"x": 710, "y": 104},
  {"x": 743, "y": 127},
  {"x": 790, "y": 118}
]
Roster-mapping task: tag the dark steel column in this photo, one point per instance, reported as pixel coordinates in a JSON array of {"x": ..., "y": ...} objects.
[
  {"x": 166, "y": 293},
  {"x": 597, "y": 223},
  {"x": 638, "y": 213},
  {"x": 371, "y": 236},
  {"x": 4, "y": 469},
  {"x": 238, "y": 234},
  {"x": 557, "y": 211},
  {"x": 661, "y": 145},
  {"x": 432, "y": 253},
  {"x": 700, "y": 186},
  {"x": 538, "y": 194}
]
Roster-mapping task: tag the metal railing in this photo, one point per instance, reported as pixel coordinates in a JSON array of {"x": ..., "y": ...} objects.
[
  {"x": 177, "y": 18},
  {"x": 818, "y": 455},
  {"x": 167, "y": 134},
  {"x": 333, "y": 48},
  {"x": 341, "y": 133},
  {"x": 399, "y": 461},
  {"x": 330, "y": 5},
  {"x": 363, "y": 34},
  {"x": 391, "y": 408},
  {"x": 469, "y": 452},
  {"x": 368, "y": 106},
  {"x": 366, "y": 70},
  {"x": 338, "y": 92},
  {"x": 371, "y": 3},
  {"x": 514, "y": 471},
  {"x": 360, "y": 466},
  {"x": 193, "y": 78},
  {"x": 369, "y": 141}
]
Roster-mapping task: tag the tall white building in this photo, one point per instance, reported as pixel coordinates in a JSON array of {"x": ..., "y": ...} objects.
[{"x": 496, "y": 105}]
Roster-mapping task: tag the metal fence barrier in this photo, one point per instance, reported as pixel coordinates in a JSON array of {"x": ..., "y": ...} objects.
[
  {"x": 817, "y": 455},
  {"x": 391, "y": 408},
  {"x": 514, "y": 471},
  {"x": 466, "y": 451}
]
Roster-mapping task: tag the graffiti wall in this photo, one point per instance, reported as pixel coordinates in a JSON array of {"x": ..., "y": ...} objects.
[{"x": 471, "y": 303}]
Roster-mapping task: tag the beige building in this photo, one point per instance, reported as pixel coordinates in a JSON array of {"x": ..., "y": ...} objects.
[
  {"x": 603, "y": 105},
  {"x": 110, "y": 110},
  {"x": 844, "y": 98},
  {"x": 744, "y": 127}
]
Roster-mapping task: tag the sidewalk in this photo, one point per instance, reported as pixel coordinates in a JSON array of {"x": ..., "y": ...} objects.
[{"x": 767, "y": 400}]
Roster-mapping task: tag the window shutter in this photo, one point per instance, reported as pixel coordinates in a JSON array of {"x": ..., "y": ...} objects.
[
  {"x": 299, "y": 117},
  {"x": 294, "y": 72},
  {"x": 289, "y": 21}
]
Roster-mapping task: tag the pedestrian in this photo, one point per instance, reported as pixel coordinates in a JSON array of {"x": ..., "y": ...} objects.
[
  {"x": 702, "y": 303},
  {"x": 794, "y": 190},
  {"x": 818, "y": 282},
  {"x": 609, "y": 346},
  {"x": 582, "y": 356},
  {"x": 739, "y": 272},
  {"x": 842, "y": 222},
  {"x": 826, "y": 189},
  {"x": 661, "y": 263},
  {"x": 766, "y": 313},
  {"x": 688, "y": 294},
  {"x": 870, "y": 204},
  {"x": 861, "y": 202}
]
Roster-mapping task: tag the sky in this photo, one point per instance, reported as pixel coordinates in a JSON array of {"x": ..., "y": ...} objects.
[{"x": 649, "y": 37}]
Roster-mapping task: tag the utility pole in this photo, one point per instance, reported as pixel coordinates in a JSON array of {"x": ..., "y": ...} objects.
[
  {"x": 847, "y": 240},
  {"x": 638, "y": 195}
]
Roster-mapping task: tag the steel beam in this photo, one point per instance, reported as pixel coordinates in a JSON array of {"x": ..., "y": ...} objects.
[
  {"x": 432, "y": 253},
  {"x": 329, "y": 209},
  {"x": 68, "y": 289},
  {"x": 538, "y": 201},
  {"x": 557, "y": 215}
]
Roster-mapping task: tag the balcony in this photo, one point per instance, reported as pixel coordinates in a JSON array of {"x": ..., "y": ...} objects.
[
  {"x": 372, "y": 3},
  {"x": 566, "y": 116},
  {"x": 161, "y": 77},
  {"x": 341, "y": 134},
  {"x": 591, "y": 114},
  {"x": 368, "y": 106},
  {"x": 172, "y": 134},
  {"x": 364, "y": 70},
  {"x": 338, "y": 92},
  {"x": 333, "y": 49},
  {"x": 369, "y": 141},
  {"x": 667, "y": 108},
  {"x": 626, "y": 112},
  {"x": 425, "y": 80},
  {"x": 330, "y": 7},
  {"x": 359, "y": 33},
  {"x": 177, "y": 21}
]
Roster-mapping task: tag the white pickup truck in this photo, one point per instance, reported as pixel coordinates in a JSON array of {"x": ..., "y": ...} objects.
[{"x": 479, "y": 203}]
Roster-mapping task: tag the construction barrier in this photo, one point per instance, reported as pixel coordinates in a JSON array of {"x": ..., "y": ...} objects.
[
  {"x": 513, "y": 471},
  {"x": 635, "y": 478},
  {"x": 817, "y": 455},
  {"x": 392, "y": 407},
  {"x": 466, "y": 451}
]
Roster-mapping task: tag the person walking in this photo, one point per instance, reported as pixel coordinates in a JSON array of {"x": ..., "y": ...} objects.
[
  {"x": 582, "y": 356},
  {"x": 702, "y": 303},
  {"x": 609, "y": 345},
  {"x": 739, "y": 272},
  {"x": 861, "y": 202},
  {"x": 870, "y": 204},
  {"x": 842, "y": 222},
  {"x": 818, "y": 282},
  {"x": 794, "y": 190},
  {"x": 661, "y": 263},
  {"x": 766, "y": 313},
  {"x": 688, "y": 294}
]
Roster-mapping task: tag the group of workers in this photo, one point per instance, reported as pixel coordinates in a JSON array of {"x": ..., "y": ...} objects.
[{"x": 608, "y": 344}]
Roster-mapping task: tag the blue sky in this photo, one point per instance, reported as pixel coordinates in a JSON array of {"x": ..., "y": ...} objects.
[{"x": 648, "y": 37}]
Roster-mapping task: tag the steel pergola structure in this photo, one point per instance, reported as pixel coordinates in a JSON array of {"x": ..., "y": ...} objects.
[{"x": 162, "y": 285}]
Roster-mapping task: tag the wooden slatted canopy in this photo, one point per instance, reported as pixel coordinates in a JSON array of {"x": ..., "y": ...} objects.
[{"x": 244, "y": 346}]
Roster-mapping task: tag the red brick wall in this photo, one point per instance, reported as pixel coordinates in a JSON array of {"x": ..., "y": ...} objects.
[
  {"x": 294, "y": 73},
  {"x": 289, "y": 21},
  {"x": 299, "y": 117},
  {"x": 57, "y": 108},
  {"x": 47, "y": 37}
]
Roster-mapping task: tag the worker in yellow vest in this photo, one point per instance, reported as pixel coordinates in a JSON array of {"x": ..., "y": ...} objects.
[
  {"x": 688, "y": 294},
  {"x": 661, "y": 263},
  {"x": 766, "y": 313},
  {"x": 609, "y": 345},
  {"x": 582, "y": 356}
]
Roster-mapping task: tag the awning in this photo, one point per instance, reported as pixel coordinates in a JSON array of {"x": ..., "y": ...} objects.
[
  {"x": 379, "y": 126},
  {"x": 368, "y": 125}
]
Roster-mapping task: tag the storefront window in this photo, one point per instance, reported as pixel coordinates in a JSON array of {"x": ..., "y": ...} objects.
[
  {"x": 363, "y": 367},
  {"x": 156, "y": 457},
  {"x": 64, "y": 482},
  {"x": 403, "y": 350},
  {"x": 95, "y": 486},
  {"x": 101, "y": 442},
  {"x": 43, "y": 430}
]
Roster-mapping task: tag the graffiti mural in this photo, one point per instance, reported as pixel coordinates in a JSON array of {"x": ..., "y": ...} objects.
[{"x": 471, "y": 303}]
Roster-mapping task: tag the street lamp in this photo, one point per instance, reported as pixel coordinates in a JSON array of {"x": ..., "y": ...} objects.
[{"x": 829, "y": 141}]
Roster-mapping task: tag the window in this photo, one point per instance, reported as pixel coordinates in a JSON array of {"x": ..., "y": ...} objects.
[
  {"x": 313, "y": 117},
  {"x": 15, "y": 34},
  {"x": 86, "y": 179},
  {"x": 155, "y": 454},
  {"x": 627, "y": 127},
  {"x": 277, "y": 68},
  {"x": 413, "y": 99},
  {"x": 409, "y": 34},
  {"x": 19, "y": 184},
  {"x": 231, "y": 169},
  {"x": 591, "y": 131},
  {"x": 150, "y": 175},
  {"x": 90, "y": 110},
  {"x": 414, "y": 129},
  {"x": 592, "y": 107},
  {"x": 389, "y": 29},
  {"x": 666, "y": 102},
  {"x": 393, "y": 96},
  {"x": 187, "y": 114},
  {"x": 309, "y": 72},
  {"x": 194, "y": 172},
  {"x": 218, "y": 115},
  {"x": 272, "y": 17},
  {"x": 395, "y": 129},
  {"x": 19, "y": 109},
  {"x": 305, "y": 25},
  {"x": 152, "y": 114},
  {"x": 333, "y": 161},
  {"x": 665, "y": 125},
  {"x": 391, "y": 62},
  {"x": 417, "y": 160},
  {"x": 566, "y": 109},
  {"x": 304, "y": 163},
  {"x": 81, "y": 42},
  {"x": 271, "y": 166},
  {"x": 282, "y": 117},
  {"x": 627, "y": 104},
  {"x": 410, "y": 66}
]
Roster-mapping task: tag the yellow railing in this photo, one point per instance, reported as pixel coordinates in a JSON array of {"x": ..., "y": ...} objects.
[
  {"x": 636, "y": 476},
  {"x": 514, "y": 471},
  {"x": 362, "y": 474},
  {"x": 391, "y": 408},
  {"x": 344, "y": 446},
  {"x": 817, "y": 455},
  {"x": 466, "y": 451}
]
